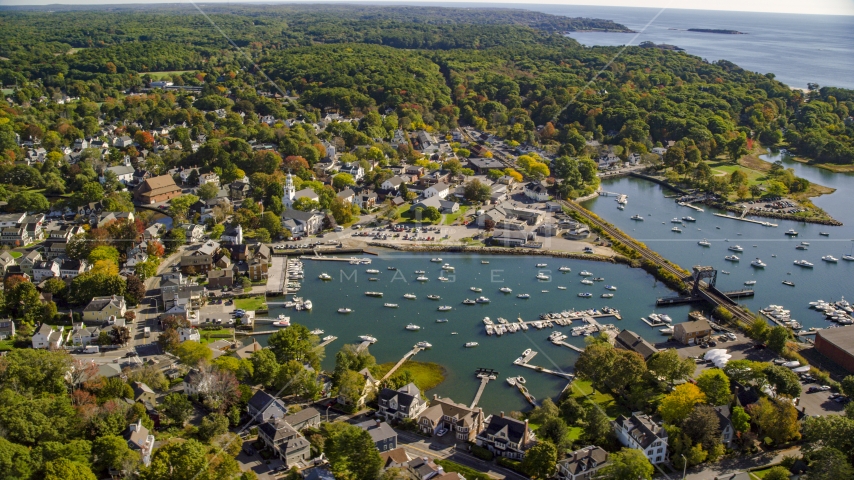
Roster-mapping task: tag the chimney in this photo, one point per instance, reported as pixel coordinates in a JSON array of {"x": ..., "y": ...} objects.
[
  {"x": 502, "y": 414},
  {"x": 378, "y": 422}
]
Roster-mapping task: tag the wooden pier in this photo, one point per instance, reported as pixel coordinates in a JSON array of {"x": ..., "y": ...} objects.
[
  {"x": 524, "y": 363},
  {"x": 327, "y": 342},
  {"x": 514, "y": 381},
  {"x": 485, "y": 375},
  {"x": 397, "y": 365},
  {"x": 568, "y": 345},
  {"x": 362, "y": 261},
  {"x": 686, "y": 204},
  {"x": 363, "y": 346}
]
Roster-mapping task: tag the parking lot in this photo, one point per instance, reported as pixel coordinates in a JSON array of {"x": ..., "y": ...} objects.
[
  {"x": 816, "y": 403},
  {"x": 219, "y": 313}
]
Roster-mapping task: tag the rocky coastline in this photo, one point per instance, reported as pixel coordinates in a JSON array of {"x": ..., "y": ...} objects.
[{"x": 780, "y": 216}]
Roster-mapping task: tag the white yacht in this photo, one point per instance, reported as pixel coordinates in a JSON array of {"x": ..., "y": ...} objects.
[
  {"x": 542, "y": 265},
  {"x": 423, "y": 345},
  {"x": 803, "y": 263},
  {"x": 704, "y": 243},
  {"x": 409, "y": 296},
  {"x": 675, "y": 220},
  {"x": 847, "y": 257},
  {"x": 607, "y": 295},
  {"x": 345, "y": 310},
  {"x": 585, "y": 273},
  {"x": 637, "y": 217},
  {"x": 676, "y": 230},
  {"x": 735, "y": 248},
  {"x": 586, "y": 281},
  {"x": 445, "y": 308},
  {"x": 561, "y": 288},
  {"x": 732, "y": 258},
  {"x": 324, "y": 276},
  {"x": 585, "y": 295},
  {"x": 665, "y": 318},
  {"x": 413, "y": 327},
  {"x": 441, "y": 320},
  {"x": 791, "y": 233},
  {"x": 448, "y": 267},
  {"x": 391, "y": 305},
  {"x": 317, "y": 331},
  {"x": 421, "y": 278},
  {"x": 476, "y": 289},
  {"x": 758, "y": 263},
  {"x": 471, "y": 344},
  {"x": 307, "y": 305},
  {"x": 443, "y": 279},
  {"x": 469, "y": 301},
  {"x": 327, "y": 338},
  {"x": 436, "y": 260},
  {"x": 505, "y": 290},
  {"x": 372, "y": 271},
  {"x": 750, "y": 282},
  {"x": 689, "y": 219},
  {"x": 367, "y": 338},
  {"x": 420, "y": 272},
  {"x": 542, "y": 276},
  {"x": 564, "y": 269},
  {"x": 433, "y": 297},
  {"x": 482, "y": 300},
  {"x": 830, "y": 258},
  {"x": 523, "y": 295},
  {"x": 373, "y": 294},
  {"x": 666, "y": 330},
  {"x": 484, "y": 262},
  {"x": 282, "y": 322},
  {"x": 610, "y": 287}
]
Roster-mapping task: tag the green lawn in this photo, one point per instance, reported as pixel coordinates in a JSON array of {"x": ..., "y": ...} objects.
[
  {"x": 469, "y": 473},
  {"x": 15, "y": 254},
  {"x": 7, "y": 91},
  {"x": 209, "y": 336},
  {"x": 251, "y": 303},
  {"x": 583, "y": 388},
  {"x": 427, "y": 374},
  {"x": 753, "y": 176},
  {"x": 6, "y": 345},
  {"x": 451, "y": 218},
  {"x": 159, "y": 75}
]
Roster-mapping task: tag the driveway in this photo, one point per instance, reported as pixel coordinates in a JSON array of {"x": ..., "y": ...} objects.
[{"x": 740, "y": 464}]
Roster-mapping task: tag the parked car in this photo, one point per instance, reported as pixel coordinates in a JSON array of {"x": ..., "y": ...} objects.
[
  {"x": 441, "y": 432},
  {"x": 813, "y": 390}
]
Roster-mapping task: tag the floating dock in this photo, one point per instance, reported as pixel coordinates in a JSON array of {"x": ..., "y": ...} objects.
[
  {"x": 527, "y": 358},
  {"x": 485, "y": 375},
  {"x": 748, "y": 220},
  {"x": 568, "y": 345},
  {"x": 327, "y": 342},
  {"x": 514, "y": 381},
  {"x": 686, "y": 204}
]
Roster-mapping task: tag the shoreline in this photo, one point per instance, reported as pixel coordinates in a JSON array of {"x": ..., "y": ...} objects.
[{"x": 496, "y": 251}]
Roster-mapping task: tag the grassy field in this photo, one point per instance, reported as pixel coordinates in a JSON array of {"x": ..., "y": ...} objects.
[
  {"x": 583, "y": 388},
  {"x": 15, "y": 254},
  {"x": 6, "y": 345},
  {"x": 209, "y": 336},
  {"x": 251, "y": 303},
  {"x": 7, "y": 91},
  {"x": 469, "y": 473},
  {"x": 427, "y": 375},
  {"x": 159, "y": 75},
  {"x": 451, "y": 218}
]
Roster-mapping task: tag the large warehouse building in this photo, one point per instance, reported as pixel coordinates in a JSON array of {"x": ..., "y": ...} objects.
[{"x": 837, "y": 344}]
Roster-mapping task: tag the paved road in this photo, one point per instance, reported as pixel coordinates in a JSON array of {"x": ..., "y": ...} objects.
[
  {"x": 740, "y": 464},
  {"x": 417, "y": 446}
]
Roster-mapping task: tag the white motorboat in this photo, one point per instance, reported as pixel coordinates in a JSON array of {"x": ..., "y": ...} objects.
[
  {"x": 732, "y": 258},
  {"x": 345, "y": 310},
  {"x": 735, "y": 248},
  {"x": 750, "y": 282},
  {"x": 471, "y": 344},
  {"x": 420, "y": 272},
  {"x": 849, "y": 258},
  {"x": 317, "y": 331},
  {"x": 824, "y": 234},
  {"x": 421, "y": 278},
  {"x": 805, "y": 244},
  {"x": 476, "y": 289},
  {"x": 561, "y": 288},
  {"x": 607, "y": 295},
  {"x": 585, "y": 273},
  {"x": 445, "y": 308},
  {"x": 373, "y": 294},
  {"x": 830, "y": 258},
  {"x": 803, "y": 263},
  {"x": 800, "y": 247},
  {"x": 372, "y": 271},
  {"x": 433, "y": 297},
  {"x": 704, "y": 243},
  {"x": 585, "y": 295},
  {"x": 610, "y": 287},
  {"x": 689, "y": 219},
  {"x": 484, "y": 262},
  {"x": 666, "y": 330},
  {"x": 436, "y": 260},
  {"x": 676, "y": 230},
  {"x": 328, "y": 338},
  {"x": 391, "y": 305},
  {"x": 443, "y": 279},
  {"x": 307, "y": 305},
  {"x": 367, "y": 338},
  {"x": 423, "y": 345},
  {"x": 542, "y": 276},
  {"x": 665, "y": 318},
  {"x": 441, "y": 320},
  {"x": 324, "y": 276},
  {"x": 413, "y": 327},
  {"x": 758, "y": 263},
  {"x": 482, "y": 300},
  {"x": 564, "y": 269},
  {"x": 448, "y": 267},
  {"x": 791, "y": 233},
  {"x": 505, "y": 290},
  {"x": 391, "y": 268},
  {"x": 587, "y": 281},
  {"x": 675, "y": 220},
  {"x": 599, "y": 279},
  {"x": 526, "y": 353},
  {"x": 542, "y": 265},
  {"x": 286, "y": 322},
  {"x": 409, "y": 296},
  {"x": 621, "y": 207},
  {"x": 469, "y": 301},
  {"x": 637, "y": 217},
  {"x": 523, "y": 295}
]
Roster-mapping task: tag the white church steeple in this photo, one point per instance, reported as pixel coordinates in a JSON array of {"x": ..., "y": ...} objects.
[{"x": 289, "y": 192}]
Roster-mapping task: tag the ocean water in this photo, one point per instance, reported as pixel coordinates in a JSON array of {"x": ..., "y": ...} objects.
[
  {"x": 635, "y": 298},
  {"x": 827, "y": 281}
]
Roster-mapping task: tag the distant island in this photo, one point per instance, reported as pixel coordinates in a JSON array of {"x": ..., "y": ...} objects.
[{"x": 716, "y": 30}]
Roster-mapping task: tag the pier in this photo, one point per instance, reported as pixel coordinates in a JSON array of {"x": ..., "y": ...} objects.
[
  {"x": 680, "y": 300},
  {"x": 354, "y": 260},
  {"x": 568, "y": 345},
  {"x": 686, "y": 204},
  {"x": 277, "y": 276},
  {"x": 514, "y": 381},
  {"x": 397, "y": 365},
  {"x": 362, "y": 346},
  {"x": 567, "y": 321},
  {"x": 748, "y": 220},
  {"x": 523, "y": 362},
  {"x": 327, "y": 342},
  {"x": 485, "y": 375}
]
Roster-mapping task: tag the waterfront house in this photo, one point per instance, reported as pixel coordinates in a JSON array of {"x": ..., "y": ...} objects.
[
  {"x": 511, "y": 238},
  {"x": 401, "y": 404},
  {"x": 102, "y": 308},
  {"x": 582, "y": 464},
  {"x": 641, "y": 433},
  {"x": 48, "y": 337},
  {"x": 690, "y": 333},
  {"x": 628, "y": 340},
  {"x": 505, "y": 437},
  {"x": 444, "y": 413}
]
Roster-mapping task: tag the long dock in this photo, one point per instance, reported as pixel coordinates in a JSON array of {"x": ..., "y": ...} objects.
[
  {"x": 485, "y": 375},
  {"x": 527, "y": 358},
  {"x": 397, "y": 365},
  {"x": 362, "y": 261},
  {"x": 686, "y": 204},
  {"x": 514, "y": 381},
  {"x": 277, "y": 276},
  {"x": 363, "y": 346},
  {"x": 327, "y": 342},
  {"x": 748, "y": 220},
  {"x": 569, "y": 345}
]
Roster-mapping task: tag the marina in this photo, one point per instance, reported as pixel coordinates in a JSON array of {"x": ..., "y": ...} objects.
[{"x": 523, "y": 362}]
